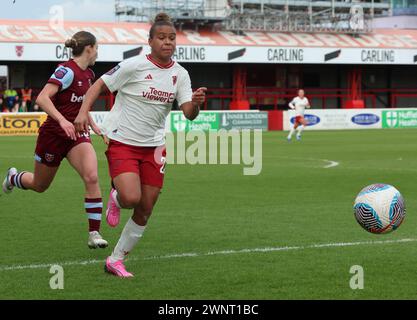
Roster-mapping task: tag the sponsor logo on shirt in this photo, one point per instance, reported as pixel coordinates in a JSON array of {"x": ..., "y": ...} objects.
[
  {"x": 75, "y": 98},
  {"x": 159, "y": 95}
]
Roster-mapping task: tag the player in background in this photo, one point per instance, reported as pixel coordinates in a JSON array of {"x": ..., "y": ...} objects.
[
  {"x": 61, "y": 99},
  {"x": 147, "y": 85},
  {"x": 299, "y": 104}
]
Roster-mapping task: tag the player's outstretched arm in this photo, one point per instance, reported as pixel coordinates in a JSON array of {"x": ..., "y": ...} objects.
[
  {"x": 45, "y": 102},
  {"x": 191, "y": 109},
  {"x": 83, "y": 119},
  {"x": 94, "y": 125},
  {"x": 97, "y": 129}
]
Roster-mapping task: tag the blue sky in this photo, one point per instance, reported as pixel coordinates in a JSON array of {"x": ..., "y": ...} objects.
[{"x": 84, "y": 10}]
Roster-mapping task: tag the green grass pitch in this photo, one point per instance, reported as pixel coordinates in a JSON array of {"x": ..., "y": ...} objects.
[{"x": 221, "y": 218}]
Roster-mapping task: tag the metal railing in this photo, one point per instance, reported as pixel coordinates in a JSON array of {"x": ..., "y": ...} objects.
[{"x": 272, "y": 98}]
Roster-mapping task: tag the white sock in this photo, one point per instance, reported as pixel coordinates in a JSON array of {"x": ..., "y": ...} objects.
[
  {"x": 116, "y": 200},
  {"x": 300, "y": 129},
  {"x": 291, "y": 133},
  {"x": 131, "y": 234}
]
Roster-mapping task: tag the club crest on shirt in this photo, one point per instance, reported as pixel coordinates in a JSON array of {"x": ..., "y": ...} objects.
[
  {"x": 109, "y": 73},
  {"x": 60, "y": 73},
  {"x": 49, "y": 157},
  {"x": 174, "y": 80}
]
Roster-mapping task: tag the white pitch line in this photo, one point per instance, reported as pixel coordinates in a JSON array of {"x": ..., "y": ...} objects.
[
  {"x": 210, "y": 253},
  {"x": 331, "y": 164}
]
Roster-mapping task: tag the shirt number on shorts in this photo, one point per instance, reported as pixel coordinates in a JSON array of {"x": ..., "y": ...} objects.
[{"x": 164, "y": 162}]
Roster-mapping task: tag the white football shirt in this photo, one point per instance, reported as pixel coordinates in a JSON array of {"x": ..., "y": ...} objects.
[
  {"x": 145, "y": 93},
  {"x": 299, "y": 105}
]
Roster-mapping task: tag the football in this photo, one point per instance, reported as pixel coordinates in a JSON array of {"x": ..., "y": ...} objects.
[{"x": 379, "y": 208}]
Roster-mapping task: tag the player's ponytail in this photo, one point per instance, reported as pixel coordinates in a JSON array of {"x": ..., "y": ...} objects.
[
  {"x": 79, "y": 41},
  {"x": 71, "y": 43},
  {"x": 161, "y": 19}
]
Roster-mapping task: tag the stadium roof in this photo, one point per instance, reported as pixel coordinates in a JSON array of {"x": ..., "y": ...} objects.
[
  {"x": 37, "y": 31},
  {"x": 39, "y": 41}
]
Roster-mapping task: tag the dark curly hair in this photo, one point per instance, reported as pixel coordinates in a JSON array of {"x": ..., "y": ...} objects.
[{"x": 161, "y": 19}]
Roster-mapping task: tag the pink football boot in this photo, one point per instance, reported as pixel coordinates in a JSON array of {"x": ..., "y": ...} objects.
[
  {"x": 113, "y": 211},
  {"x": 117, "y": 268}
]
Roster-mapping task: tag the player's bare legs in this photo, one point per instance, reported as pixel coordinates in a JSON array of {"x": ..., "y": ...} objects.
[
  {"x": 128, "y": 189},
  {"x": 143, "y": 211},
  {"x": 38, "y": 181},
  {"x": 303, "y": 123},
  {"x": 126, "y": 195},
  {"x": 84, "y": 160},
  {"x": 132, "y": 231},
  {"x": 293, "y": 129}
]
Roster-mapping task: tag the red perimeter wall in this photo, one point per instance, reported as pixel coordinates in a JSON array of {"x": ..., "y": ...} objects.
[{"x": 275, "y": 120}]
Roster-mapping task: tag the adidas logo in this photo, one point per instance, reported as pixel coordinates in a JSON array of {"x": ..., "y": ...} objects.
[{"x": 148, "y": 77}]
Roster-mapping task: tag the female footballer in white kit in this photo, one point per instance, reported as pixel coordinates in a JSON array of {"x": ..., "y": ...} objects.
[
  {"x": 299, "y": 104},
  {"x": 147, "y": 85}
]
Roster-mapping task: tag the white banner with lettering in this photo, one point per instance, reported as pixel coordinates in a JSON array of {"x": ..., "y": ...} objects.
[
  {"x": 220, "y": 54},
  {"x": 322, "y": 119}
]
